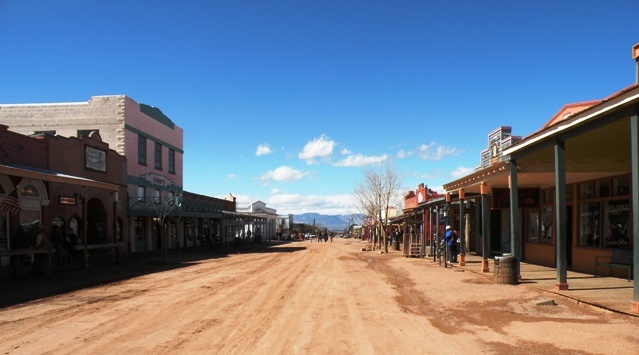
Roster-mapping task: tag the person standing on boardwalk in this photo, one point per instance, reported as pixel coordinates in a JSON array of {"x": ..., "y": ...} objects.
[{"x": 451, "y": 244}]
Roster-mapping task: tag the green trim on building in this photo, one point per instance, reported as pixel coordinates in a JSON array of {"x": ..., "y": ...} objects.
[
  {"x": 138, "y": 181},
  {"x": 156, "y": 114}
]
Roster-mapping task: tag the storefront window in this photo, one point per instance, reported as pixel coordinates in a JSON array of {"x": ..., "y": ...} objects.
[
  {"x": 533, "y": 225},
  {"x": 589, "y": 224},
  {"x": 621, "y": 186},
  {"x": 615, "y": 223},
  {"x": 30, "y": 220},
  {"x": 602, "y": 188},
  {"x": 585, "y": 191},
  {"x": 205, "y": 230},
  {"x": 189, "y": 229},
  {"x": 569, "y": 192},
  {"x": 140, "y": 231},
  {"x": 29, "y": 190},
  {"x": 547, "y": 196},
  {"x": 545, "y": 235}
]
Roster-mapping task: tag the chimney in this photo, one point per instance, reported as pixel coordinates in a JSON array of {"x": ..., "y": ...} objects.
[{"x": 635, "y": 56}]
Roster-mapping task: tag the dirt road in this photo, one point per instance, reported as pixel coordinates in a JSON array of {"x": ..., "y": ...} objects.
[{"x": 306, "y": 298}]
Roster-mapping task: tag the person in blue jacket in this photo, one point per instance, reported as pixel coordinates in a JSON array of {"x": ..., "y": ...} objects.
[{"x": 451, "y": 244}]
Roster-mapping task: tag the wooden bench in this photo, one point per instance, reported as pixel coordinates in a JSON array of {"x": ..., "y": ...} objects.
[{"x": 620, "y": 259}]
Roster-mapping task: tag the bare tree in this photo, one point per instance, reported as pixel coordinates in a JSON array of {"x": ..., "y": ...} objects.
[
  {"x": 376, "y": 196},
  {"x": 166, "y": 199}
]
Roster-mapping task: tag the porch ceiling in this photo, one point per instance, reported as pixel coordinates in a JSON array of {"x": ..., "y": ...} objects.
[
  {"x": 600, "y": 152},
  {"x": 594, "y": 153}
]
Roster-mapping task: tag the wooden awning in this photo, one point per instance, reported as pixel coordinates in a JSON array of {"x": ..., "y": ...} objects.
[{"x": 52, "y": 176}]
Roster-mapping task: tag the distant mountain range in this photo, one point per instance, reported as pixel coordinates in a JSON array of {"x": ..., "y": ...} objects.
[{"x": 336, "y": 223}]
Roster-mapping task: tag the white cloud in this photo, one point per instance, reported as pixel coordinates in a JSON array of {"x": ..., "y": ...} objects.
[
  {"x": 263, "y": 149},
  {"x": 321, "y": 147},
  {"x": 346, "y": 151},
  {"x": 403, "y": 154},
  {"x": 432, "y": 152},
  {"x": 275, "y": 191},
  {"x": 461, "y": 172},
  {"x": 283, "y": 173},
  {"x": 359, "y": 160},
  {"x": 243, "y": 200},
  {"x": 231, "y": 176},
  {"x": 298, "y": 204},
  {"x": 438, "y": 189}
]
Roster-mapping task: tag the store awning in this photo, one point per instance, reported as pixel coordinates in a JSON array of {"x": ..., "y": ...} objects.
[{"x": 52, "y": 176}]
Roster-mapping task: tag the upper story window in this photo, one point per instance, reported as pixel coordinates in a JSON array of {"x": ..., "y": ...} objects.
[
  {"x": 158, "y": 156},
  {"x": 171, "y": 161},
  {"x": 48, "y": 133},
  {"x": 141, "y": 150}
]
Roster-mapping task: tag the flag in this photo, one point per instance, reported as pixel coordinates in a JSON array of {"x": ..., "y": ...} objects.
[{"x": 11, "y": 203}]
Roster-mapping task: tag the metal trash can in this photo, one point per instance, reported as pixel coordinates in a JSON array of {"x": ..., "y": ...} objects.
[
  {"x": 506, "y": 270},
  {"x": 395, "y": 243}
]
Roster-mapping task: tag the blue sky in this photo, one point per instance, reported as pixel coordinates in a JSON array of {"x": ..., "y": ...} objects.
[{"x": 287, "y": 102}]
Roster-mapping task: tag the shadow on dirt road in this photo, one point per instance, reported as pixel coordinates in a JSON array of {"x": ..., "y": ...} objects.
[{"x": 28, "y": 287}]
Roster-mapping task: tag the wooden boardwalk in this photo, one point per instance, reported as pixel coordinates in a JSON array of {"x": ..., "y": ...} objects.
[{"x": 611, "y": 293}]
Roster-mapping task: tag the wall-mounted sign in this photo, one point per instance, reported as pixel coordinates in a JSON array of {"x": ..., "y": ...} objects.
[
  {"x": 528, "y": 197},
  {"x": 157, "y": 180},
  {"x": 67, "y": 200},
  {"x": 95, "y": 159}
]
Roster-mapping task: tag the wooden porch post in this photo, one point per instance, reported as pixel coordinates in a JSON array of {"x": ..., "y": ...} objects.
[
  {"x": 515, "y": 235},
  {"x": 634, "y": 176},
  {"x": 462, "y": 228},
  {"x": 560, "y": 214},
  {"x": 485, "y": 227}
]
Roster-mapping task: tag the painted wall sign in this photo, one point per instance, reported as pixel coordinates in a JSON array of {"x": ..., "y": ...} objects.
[
  {"x": 95, "y": 159},
  {"x": 528, "y": 198}
]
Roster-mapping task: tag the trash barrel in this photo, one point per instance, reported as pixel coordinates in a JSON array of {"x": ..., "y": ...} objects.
[
  {"x": 506, "y": 270},
  {"x": 395, "y": 243}
]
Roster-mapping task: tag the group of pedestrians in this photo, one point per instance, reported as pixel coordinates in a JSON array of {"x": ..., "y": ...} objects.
[
  {"x": 325, "y": 236},
  {"x": 62, "y": 244}
]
